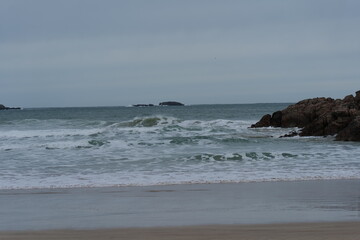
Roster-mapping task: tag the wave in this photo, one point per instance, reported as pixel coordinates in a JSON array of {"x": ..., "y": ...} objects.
[
  {"x": 249, "y": 156},
  {"x": 31, "y": 133},
  {"x": 136, "y": 147},
  {"x": 136, "y": 180},
  {"x": 153, "y": 121},
  {"x": 23, "y": 134},
  {"x": 145, "y": 165}
]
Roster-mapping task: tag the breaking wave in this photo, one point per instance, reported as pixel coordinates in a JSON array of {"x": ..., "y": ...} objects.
[{"x": 153, "y": 149}]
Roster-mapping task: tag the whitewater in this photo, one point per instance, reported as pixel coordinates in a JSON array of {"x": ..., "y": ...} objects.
[{"x": 142, "y": 146}]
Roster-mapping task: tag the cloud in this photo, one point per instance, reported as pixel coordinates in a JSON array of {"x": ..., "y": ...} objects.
[{"x": 133, "y": 50}]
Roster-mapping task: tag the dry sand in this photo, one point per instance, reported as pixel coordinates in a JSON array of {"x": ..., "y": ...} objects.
[{"x": 296, "y": 231}]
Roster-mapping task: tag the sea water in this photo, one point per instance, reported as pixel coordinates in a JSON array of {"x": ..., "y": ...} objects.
[{"x": 142, "y": 146}]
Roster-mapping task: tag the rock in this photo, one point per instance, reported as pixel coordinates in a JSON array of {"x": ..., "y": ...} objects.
[
  {"x": 268, "y": 120},
  {"x": 264, "y": 122},
  {"x": 2, "y": 107},
  {"x": 319, "y": 117},
  {"x": 143, "y": 105},
  {"x": 357, "y": 97},
  {"x": 290, "y": 134},
  {"x": 276, "y": 119},
  {"x": 171, "y": 103},
  {"x": 351, "y": 132}
]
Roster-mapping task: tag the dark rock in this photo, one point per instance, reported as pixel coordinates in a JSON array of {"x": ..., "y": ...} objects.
[
  {"x": 171, "y": 103},
  {"x": 319, "y": 117},
  {"x": 290, "y": 134},
  {"x": 351, "y": 132},
  {"x": 143, "y": 105},
  {"x": 2, "y": 107},
  {"x": 264, "y": 122},
  {"x": 357, "y": 97},
  {"x": 276, "y": 119}
]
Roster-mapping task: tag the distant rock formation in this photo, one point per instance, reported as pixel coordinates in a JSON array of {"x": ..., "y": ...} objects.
[
  {"x": 2, "y": 107},
  {"x": 319, "y": 117},
  {"x": 143, "y": 105},
  {"x": 171, "y": 103}
]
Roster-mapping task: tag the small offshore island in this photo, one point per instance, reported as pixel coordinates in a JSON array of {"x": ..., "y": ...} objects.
[
  {"x": 169, "y": 103},
  {"x": 2, "y": 107},
  {"x": 319, "y": 117}
]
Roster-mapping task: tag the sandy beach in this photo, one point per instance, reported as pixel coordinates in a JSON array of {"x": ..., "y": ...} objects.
[
  {"x": 313, "y": 231},
  {"x": 268, "y": 210}
]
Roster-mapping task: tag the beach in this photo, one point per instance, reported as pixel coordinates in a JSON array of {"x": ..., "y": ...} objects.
[
  {"x": 313, "y": 231},
  {"x": 179, "y": 120},
  {"x": 324, "y": 209},
  {"x": 195, "y": 172}
]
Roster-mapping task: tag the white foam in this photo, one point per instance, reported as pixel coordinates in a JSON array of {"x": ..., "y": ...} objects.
[
  {"x": 48, "y": 133},
  {"x": 156, "y": 178},
  {"x": 165, "y": 150}
]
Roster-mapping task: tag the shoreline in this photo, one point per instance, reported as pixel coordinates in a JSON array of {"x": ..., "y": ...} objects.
[
  {"x": 74, "y": 187},
  {"x": 295, "y": 231}
]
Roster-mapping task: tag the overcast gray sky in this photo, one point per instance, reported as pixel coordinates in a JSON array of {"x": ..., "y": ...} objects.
[{"x": 111, "y": 52}]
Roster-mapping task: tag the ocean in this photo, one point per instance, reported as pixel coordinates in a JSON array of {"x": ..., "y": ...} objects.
[{"x": 161, "y": 145}]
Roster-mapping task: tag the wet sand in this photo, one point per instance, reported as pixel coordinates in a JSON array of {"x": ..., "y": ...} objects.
[
  {"x": 281, "y": 210},
  {"x": 313, "y": 231}
]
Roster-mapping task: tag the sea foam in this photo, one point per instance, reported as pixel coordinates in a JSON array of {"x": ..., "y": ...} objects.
[{"x": 138, "y": 147}]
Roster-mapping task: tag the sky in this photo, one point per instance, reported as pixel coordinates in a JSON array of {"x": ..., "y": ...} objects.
[{"x": 121, "y": 52}]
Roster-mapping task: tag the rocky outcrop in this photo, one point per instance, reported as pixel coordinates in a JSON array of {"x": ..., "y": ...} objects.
[
  {"x": 351, "y": 132},
  {"x": 320, "y": 117},
  {"x": 2, "y": 107},
  {"x": 171, "y": 103},
  {"x": 143, "y": 105}
]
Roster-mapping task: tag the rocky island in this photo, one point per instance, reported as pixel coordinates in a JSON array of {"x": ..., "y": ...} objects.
[
  {"x": 319, "y": 117},
  {"x": 168, "y": 103},
  {"x": 143, "y": 105},
  {"x": 171, "y": 103},
  {"x": 2, "y": 107}
]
